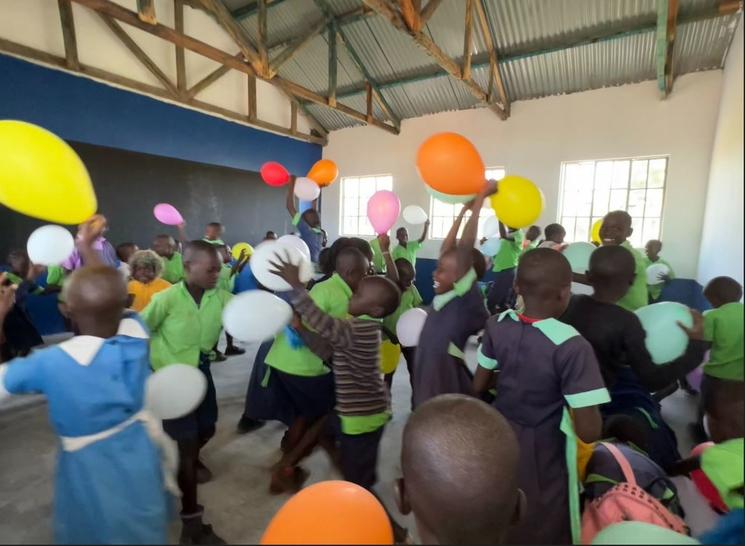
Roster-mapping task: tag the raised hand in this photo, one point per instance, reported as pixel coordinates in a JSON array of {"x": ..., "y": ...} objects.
[{"x": 288, "y": 271}]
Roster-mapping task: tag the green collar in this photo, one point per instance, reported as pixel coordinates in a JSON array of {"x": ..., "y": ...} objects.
[
  {"x": 369, "y": 319},
  {"x": 555, "y": 330},
  {"x": 336, "y": 278},
  {"x": 207, "y": 293},
  {"x": 460, "y": 288}
]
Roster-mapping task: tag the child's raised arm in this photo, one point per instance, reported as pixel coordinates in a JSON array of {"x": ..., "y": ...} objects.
[
  {"x": 468, "y": 240},
  {"x": 424, "y": 232},
  {"x": 391, "y": 271},
  {"x": 290, "y": 201},
  {"x": 451, "y": 239}
]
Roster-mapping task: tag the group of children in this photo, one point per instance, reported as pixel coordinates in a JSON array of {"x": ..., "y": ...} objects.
[{"x": 502, "y": 454}]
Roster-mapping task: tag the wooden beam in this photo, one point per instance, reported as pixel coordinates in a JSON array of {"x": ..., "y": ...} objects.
[
  {"x": 68, "y": 34},
  {"x": 296, "y": 45},
  {"x": 429, "y": 11},
  {"x": 252, "y": 97},
  {"x": 208, "y": 80},
  {"x": 667, "y": 15},
  {"x": 333, "y": 63},
  {"x": 369, "y": 102},
  {"x": 139, "y": 54},
  {"x": 178, "y": 15},
  {"x": 235, "y": 31},
  {"x": 251, "y": 8},
  {"x": 262, "y": 36},
  {"x": 468, "y": 40},
  {"x": 146, "y": 11},
  {"x": 491, "y": 49},
  {"x": 293, "y": 117},
  {"x": 410, "y": 14}
]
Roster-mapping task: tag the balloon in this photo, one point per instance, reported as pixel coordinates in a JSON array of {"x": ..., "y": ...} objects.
[
  {"x": 665, "y": 340},
  {"x": 274, "y": 174},
  {"x": 297, "y": 242},
  {"x": 491, "y": 247},
  {"x": 42, "y": 176},
  {"x": 415, "y": 215},
  {"x": 240, "y": 247},
  {"x": 306, "y": 189},
  {"x": 331, "y": 512},
  {"x": 409, "y": 327},
  {"x": 595, "y": 231},
  {"x": 491, "y": 227},
  {"x": 167, "y": 214},
  {"x": 390, "y": 354},
  {"x": 272, "y": 251},
  {"x": 449, "y": 163},
  {"x": 323, "y": 172},
  {"x": 382, "y": 210},
  {"x": 578, "y": 255},
  {"x": 654, "y": 272},
  {"x": 174, "y": 391},
  {"x": 638, "y": 532},
  {"x": 694, "y": 378},
  {"x": 451, "y": 199},
  {"x": 255, "y": 316},
  {"x": 518, "y": 203},
  {"x": 50, "y": 245}
]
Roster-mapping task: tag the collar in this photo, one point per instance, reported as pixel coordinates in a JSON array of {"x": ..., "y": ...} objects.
[
  {"x": 336, "y": 278},
  {"x": 207, "y": 293},
  {"x": 368, "y": 318},
  {"x": 83, "y": 349},
  {"x": 460, "y": 288}
]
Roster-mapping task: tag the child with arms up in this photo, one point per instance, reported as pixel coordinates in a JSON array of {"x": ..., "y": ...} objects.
[
  {"x": 407, "y": 250},
  {"x": 308, "y": 223},
  {"x": 501, "y": 295}
]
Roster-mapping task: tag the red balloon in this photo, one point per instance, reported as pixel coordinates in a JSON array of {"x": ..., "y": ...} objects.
[{"x": 274, "y": 174}]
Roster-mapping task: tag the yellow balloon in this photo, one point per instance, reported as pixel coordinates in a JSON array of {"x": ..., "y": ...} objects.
[
  {"x": 595, "y": 232},
  {"x": 518, "y": 203},
  {"x": 390, "y": 354},
  {"x": 42, "y": 176},
  {"x": 240, "y": 247}
]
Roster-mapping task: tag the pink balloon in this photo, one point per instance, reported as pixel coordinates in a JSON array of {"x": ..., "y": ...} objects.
[
  {"x": 167, "y": 214},
  {"x": 382, "y": 210}
]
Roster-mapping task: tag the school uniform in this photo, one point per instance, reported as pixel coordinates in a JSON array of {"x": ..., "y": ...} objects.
[
  {"x": 313, "y": 236},
  {"x": 214, "y": 242},
  {"x": 173, "y": 268},
  {"x": 226, "y": 280},
  {"x": 407, "y": 252},
  {"x": 410, "y": 299},
  {"x": 723, "y": 465},
  {"x": 654, "y": 290},
  {"x": 439, "y": 366},
  {"x": 115, "y": 466},
  {"x": 185, "y": 333},
  {"x": 378, "y": 258},
  {"x": 104, "y": 249},
  {"x": 501, "y": 294},
  {"x": 545, "y": 369},
  {"x": 723, "y": 327},
  {"x": 143, "y": 293},
  {"x": 637, "y": 296}
]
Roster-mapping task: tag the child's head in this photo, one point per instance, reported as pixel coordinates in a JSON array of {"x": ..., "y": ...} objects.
[
  {"x": 555, "y": 233},
  {"x": 375, "y": 296},
  {"x": 653, "y": 248},
  {"x": 459, "y": 459},
  {"x": 406, "y": 273},
  {"x": 270, "y": 236},
  {"x": 352, "y": 266},
  {"x": 124, "y": 251},
  {"x": 19, "y": 262},
  {"x": 164, "y": 245},
  {"x": 224, "y": 253},
  {"x": 402, "y": 235},
  {"x": 214, "y": 231},
  {"x": 723, "y": 290},
  {"x": 95, "y": 298},
  {"x": 544, "y": 280},
  {"x": 446, "y": 273},
  {"x": 533, "y": 233},
  {"x": 616, "y": 228},
  {"x": 202, "y": 264},
  {"x": 724, "y": 408},
  {"x": 612, "y": 271},
  {"x": 479, "y": 263},
  {"x": 312, "y": 218},
  {"x": 145, "y": 266}
]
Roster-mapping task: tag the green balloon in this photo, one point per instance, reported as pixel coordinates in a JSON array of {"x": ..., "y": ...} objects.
[
  {"x": 451, "y": 199},
  {"x": 637, "y": 532},
  {"x": 578, "y": 255},
  {"x": 665, "y": 340}
]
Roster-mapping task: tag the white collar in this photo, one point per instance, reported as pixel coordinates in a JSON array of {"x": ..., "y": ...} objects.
[{"x": 83, "y": 349}]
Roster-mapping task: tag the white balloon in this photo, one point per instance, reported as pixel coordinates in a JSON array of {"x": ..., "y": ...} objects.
[
  {"x": 491, "y": 227},
  {"x": 271, "y": 251},
  {"x": 306, "y": 189},
  {"x": 409, "y": 327},
  {"x": 255, "y": 316},
  {"x": 297, "y": 242},
  {"x": 50, "y": 245},
  {"x": 174, "y": 391},
  {"x": 654, "y": 272},
  {"x": 415, "y": 215},
  {"x": 491, "y": 247}
]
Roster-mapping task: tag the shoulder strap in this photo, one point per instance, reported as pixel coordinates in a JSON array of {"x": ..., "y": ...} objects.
[{"x": 622, "y": 461}]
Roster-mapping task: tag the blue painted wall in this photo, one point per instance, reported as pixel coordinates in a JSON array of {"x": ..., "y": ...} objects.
[{"x": 83, "y": 110}]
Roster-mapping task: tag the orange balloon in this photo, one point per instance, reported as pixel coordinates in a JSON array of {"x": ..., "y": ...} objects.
[
  {"x": 323, "y": 172},
  {"x": 332, "y": 512},
  {"x": 449, "y": 163}
]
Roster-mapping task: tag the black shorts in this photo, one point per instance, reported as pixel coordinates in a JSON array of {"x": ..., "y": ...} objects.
[
  {"x": 311, "y": 397},
  {"x": 199, "y": 424},
  {"x": 359, "y": 456}
]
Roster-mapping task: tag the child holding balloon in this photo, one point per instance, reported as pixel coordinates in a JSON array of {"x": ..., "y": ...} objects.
[
  {"x": 653, "y": 249},
  {"x": 406, "y": 249},
  {"x": 308, "y": 223},
  {"x": 501, "y": 295}
]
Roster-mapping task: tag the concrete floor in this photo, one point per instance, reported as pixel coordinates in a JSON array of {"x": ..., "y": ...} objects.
[{"x": 237, "y": 501}]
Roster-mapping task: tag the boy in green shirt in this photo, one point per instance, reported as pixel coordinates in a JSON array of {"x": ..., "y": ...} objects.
[
  {"x": 501, "y": 295},
  {"x": 653, "y": 249},
  {"x": 213, "y": 233},
  {"x": 723, "y": 326},
  {"x": 406, "y": 249},
  {"x": 173, "y": 265},
  {"x": 185, "y": 322},
  {"x": 615, "y": 230}
]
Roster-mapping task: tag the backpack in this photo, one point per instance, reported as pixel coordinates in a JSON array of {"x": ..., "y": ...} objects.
[{"x": 626, "y": 501}]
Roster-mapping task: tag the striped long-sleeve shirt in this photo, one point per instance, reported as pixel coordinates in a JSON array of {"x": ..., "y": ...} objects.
[{"x": 354, "y": 346}]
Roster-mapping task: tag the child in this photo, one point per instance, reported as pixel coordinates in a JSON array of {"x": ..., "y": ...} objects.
[
  {"x": 213, "y": 233},
  {"x": 104, "y": 249},
  {"x": 531, "y": 238},
  {"x": 501, "y": 295},
  {"x": 146, "y": 267},
  {"x": 652, "y": 250},
  {"x": 173, "y": 264},
  {"x": 378, "y": 262},
  {"x": 554, "y": 237},
  {"x": 110, "y": 487},
  {"x": 270, "y": 236},
  {"x": 459, "y": 460},
  {"x": 548, "y": 377},
  {"x": 308, "y": 223},
  {"x": 124, "y": 252},
  {"x": 185, "y": 322},
  {"x": 723, "y": 326},
  {"x": 20, "y": 333},
  {"x": 407, "y": 250},
  {"x": 458, "y": 313}
]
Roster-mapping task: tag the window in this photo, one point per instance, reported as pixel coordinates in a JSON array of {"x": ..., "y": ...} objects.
[
  {"x": 591, "y": 189},
  {"x": 355, "y": 193},
  {"x": 442, "y": 215}
]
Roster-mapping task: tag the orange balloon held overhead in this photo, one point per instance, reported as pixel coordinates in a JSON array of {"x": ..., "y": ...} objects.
[
  {"x": 448, "y": 163},
  {"x": 323, "y": 172},
  {"x": 332, "y": 512}
]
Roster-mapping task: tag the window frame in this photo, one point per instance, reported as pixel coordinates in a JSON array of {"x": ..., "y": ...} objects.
[{"x": 342, "y": 200}]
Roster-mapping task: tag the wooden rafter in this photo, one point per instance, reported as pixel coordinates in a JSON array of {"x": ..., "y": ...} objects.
[
  {"x": 494, "y": 75},
  {"x": 667, "y": 15},
  {"x": 293, "y": 117},
  {"x": 178, "y": 15},
  {"x": 146, "y": 11},
  {"x": 235, "y": 31},
  {"x": 296, "y": 45},
  {"x": 252, "y": 110},
  {"x": 262, "y": 35},
  {"x": 208, "y": 80},
  {"x": 429, "y": 10},
  {"x": 468, "y": 40},
  {"x": 410, "y": 13},
  {"x": 333, "y": 64},
  {"x": 249, "y": 9},
  {"x": 68, "y": 33},
  {"x": 369, "y": 101}
]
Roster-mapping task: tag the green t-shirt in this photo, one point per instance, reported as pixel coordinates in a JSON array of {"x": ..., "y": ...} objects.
[
  {"x": 378, "y": 258},
  {"x": 179, "y": 330},
  {"x": 55, "y": 275},
  {"x": 331, "y": 297},
  {"x": 656, "y": 289},
  {"x": 722, "y": 464},
  {"x": 215, "y": 242},
  {"x": 509, "y": 252},
  {"x": 173, "y": 268},
  {"x": 724, "y": 328},
  {"x": 407, "y": 252},
  {"x": 225, "y": 281},
  {"x": 637, "y": 296},
  {"x": 410, "y": 299}
]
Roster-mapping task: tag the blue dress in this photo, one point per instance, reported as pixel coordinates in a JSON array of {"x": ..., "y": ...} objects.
[{"x": 109, "y": 483}]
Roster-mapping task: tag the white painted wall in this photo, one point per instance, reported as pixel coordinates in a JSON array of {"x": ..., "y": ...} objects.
[
  {"x": 540, "y": 134},
  {"x": 36, "y": 23},
  {"x": 721, "y": 244}
]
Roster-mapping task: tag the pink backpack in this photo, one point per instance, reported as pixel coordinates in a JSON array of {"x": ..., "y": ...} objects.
[{"x": 626, "y": 501}]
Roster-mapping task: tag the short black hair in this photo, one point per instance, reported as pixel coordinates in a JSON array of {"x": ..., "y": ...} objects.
[
  {"x": 165, "y": 236},
  {"x": 542, "y": 271},
  {"x": 348, "y": 257},
  {"x": 479, "y": 263},
  {"x": 215, "y": 224},
  {"x": 609, "y": 263},
  {"x": 17, "y": 254},
  {"x": 725, "y": 289},
  {"x": 121, "y": 248},
  {"x": 387, "y": 293},
  {"x": 198, "y": 247},
  {"x": 553, "y": 229}
]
